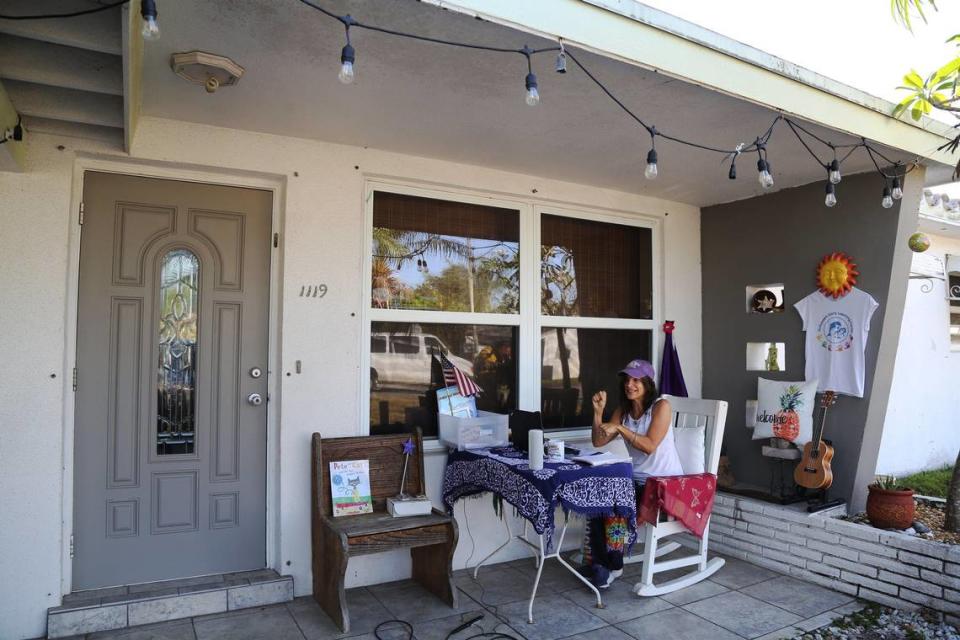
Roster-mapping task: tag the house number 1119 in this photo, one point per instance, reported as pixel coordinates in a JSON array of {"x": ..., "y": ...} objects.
[{"x": 313, "y": 290}]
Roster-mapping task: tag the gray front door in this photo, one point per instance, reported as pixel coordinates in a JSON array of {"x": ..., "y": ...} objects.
[{"x": 170, "y": 450}]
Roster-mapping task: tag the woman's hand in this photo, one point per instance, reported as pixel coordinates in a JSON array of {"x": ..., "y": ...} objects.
[
  {"x": 599, "y": 402},
  {"x": 610, "y": 429}
]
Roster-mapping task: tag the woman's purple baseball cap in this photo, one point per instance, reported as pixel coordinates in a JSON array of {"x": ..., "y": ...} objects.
[{"x": 639, "y": 369}]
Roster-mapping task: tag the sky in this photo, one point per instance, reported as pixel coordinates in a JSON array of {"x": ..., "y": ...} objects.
[{"x": 854, "y": 41}]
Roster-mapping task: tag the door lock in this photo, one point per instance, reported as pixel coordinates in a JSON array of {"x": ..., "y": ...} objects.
[
  {"x": 255, "y": 372},
  {"x": 255, "y": 399}
]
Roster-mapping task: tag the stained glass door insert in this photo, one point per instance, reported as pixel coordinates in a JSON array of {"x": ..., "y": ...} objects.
[{"x": 177, "y": 366}]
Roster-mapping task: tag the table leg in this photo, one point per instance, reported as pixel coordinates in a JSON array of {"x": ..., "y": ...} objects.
[
  {"x": 536, "y": 556},
  {"x": 572, "y": 570},
  {"x": 506, "y": 523},
  {"x": 556, "y": 554},
  {"x": 536, "y": 581}
]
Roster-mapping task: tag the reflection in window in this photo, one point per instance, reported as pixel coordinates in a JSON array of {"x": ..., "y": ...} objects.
[
  {"x": 595, "y": 269},
  {"x": 444, "y": 256},
  {"x": 955, "y": 328},
  {"x": 404, "y": 374},
  {"x": 177, "y": 371},
  {"x": 576, "y": 363}
]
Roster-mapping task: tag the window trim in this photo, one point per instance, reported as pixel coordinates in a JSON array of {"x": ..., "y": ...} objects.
[
  {"x": 591, "y": 322},
  {"x": 951, "y": 310},
  {"x": 529, "y": 320}
]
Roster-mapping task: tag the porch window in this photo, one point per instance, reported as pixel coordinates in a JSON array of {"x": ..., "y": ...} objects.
[
  {"x": 445, "y": 277},
  {"x": 596, "y": 300}
]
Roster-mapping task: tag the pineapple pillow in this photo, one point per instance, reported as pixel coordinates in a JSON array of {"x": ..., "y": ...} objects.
[{"x": 785, "y": 410}]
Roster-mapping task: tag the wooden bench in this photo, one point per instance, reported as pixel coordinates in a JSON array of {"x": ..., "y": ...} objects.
[{"x": 431, "y": 538}]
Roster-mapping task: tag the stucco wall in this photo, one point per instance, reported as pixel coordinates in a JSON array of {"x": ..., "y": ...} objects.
[
  {"x": 780, "y": 238},
  {"x": 322, "y": 241},
  {"x": 922, "y": 430}
]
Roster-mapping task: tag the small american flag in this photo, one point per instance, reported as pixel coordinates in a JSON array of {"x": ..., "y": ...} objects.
[{"x": 454, "y": 376}]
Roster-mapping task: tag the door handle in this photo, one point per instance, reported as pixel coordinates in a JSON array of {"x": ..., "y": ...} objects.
[{"x": 255, "y": 399}]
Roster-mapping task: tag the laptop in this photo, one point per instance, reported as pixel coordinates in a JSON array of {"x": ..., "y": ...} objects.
[{"x": 521, "y": 422}]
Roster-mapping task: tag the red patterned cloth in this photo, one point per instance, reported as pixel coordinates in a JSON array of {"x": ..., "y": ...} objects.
[{"x": 687, "y": 498}]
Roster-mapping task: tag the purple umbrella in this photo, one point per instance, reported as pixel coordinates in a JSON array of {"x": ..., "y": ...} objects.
[{"x": 671, "y": 375}]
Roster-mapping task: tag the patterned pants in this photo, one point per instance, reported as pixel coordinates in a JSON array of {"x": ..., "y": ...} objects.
[{"x": 605, "y": 541}]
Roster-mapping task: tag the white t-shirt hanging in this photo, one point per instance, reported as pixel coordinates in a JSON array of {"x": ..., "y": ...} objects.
[{"x": 837, "y": 332}]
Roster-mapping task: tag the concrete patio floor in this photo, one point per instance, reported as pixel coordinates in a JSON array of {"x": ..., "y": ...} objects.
[{"x": 739, "y": 601}]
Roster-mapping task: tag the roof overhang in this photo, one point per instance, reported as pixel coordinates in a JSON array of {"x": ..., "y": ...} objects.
[
  {"x": 466, "y": 106},
  {"x": 655, "y": 40}
]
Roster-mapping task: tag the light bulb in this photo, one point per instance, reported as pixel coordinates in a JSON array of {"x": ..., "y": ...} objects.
[
  {"x": 831, "y": 198},
  {"x": 651, "y": 172},
  {"x": 887, "y": 201},
  {"x": 347, "y": 57},
  {"x": 835, "y": 172},
  {"x": 764, "y": 177},
  {"x": 897, "y": 192},
  {"x": 732, "y": 174},
  {"x": 150, "y": 30},
  {"x": 533, "y": 96},
  {"x": 346, "y": 75}
]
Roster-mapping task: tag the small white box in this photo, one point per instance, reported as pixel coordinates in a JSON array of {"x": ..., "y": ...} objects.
[
  {"x": 409, "y": 507},
  {"x": 486, "y": 430}
]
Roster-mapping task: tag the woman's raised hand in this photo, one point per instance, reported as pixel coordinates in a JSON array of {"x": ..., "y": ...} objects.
[{"x": 599, "y": 401}]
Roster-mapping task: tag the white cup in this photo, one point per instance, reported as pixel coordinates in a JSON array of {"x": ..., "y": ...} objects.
[{"x": 554, "y": 450}]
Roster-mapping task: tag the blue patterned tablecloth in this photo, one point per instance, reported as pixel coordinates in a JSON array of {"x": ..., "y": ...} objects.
[{"x": 591, "y": 491}]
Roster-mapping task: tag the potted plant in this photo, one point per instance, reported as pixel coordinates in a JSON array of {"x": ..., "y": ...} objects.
[{"x": 889, "y": 505}]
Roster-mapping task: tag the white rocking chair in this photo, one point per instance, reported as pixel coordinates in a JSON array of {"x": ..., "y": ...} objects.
[{"x": 698, "y": 430}]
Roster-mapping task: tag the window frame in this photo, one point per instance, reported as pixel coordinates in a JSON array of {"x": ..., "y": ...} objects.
[
  {"x": 953, "y": 301},
  {"x": 529, "y": 320}
]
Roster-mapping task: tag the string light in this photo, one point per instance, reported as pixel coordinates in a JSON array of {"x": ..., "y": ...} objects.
[
  {"x": 732, "y": 173},
  {"x": 887, "y": 200},
  {"x": 764, "y": 177},
  {"x": 347, "y": 55},
  {"x": 561, "y": 66},
  {"x": 834, "y": 170},
  {"x": 532, "y": 98},
  {"x": 831, "y": 198},
  {"x": 897, "y": 191},
  {"x": 651, "y": 172},
  {"x": 533, "y": 94},
  {"x": 150, "y": 29}
]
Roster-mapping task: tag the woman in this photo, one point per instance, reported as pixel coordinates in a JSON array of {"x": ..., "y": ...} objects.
[{"x": 644, "y": 421}]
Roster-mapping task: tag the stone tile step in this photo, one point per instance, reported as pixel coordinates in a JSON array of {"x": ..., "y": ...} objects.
[{"x": 139, "y": 604}]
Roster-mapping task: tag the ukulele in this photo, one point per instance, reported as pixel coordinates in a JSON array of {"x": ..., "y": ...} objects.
[{"x": 814, "y": 472}]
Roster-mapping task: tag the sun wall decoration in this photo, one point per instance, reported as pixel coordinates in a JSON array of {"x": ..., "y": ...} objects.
[{"x": 836, "y": 274}]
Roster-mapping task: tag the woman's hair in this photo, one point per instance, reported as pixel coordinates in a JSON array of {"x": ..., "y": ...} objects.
[{"x": 650, "y": 394}]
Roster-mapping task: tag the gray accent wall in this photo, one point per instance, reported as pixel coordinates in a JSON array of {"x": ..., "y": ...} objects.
[{"x": 780, "y": 238}]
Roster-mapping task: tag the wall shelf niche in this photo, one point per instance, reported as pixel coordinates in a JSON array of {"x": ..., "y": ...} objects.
[
  {"x": 766, "y": 356},
  {"x": 765, "y": 299}
]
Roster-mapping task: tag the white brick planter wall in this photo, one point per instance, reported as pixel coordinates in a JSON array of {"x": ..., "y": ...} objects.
[{"x": 885, "y": 567}]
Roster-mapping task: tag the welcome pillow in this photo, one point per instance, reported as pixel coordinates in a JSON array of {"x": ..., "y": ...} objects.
[{"x": 785, "y": 410}]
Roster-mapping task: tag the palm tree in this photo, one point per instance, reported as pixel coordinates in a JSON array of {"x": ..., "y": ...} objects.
[{"x": 393, "y": 247}]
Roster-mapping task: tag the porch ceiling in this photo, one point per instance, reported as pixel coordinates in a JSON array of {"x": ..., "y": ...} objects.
[
  {"x": 65, "y": 76},
  {"x": 460, "y": 105}
]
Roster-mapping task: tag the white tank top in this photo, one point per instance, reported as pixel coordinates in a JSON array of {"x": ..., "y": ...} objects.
[{"x": 664, "y": 461}]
